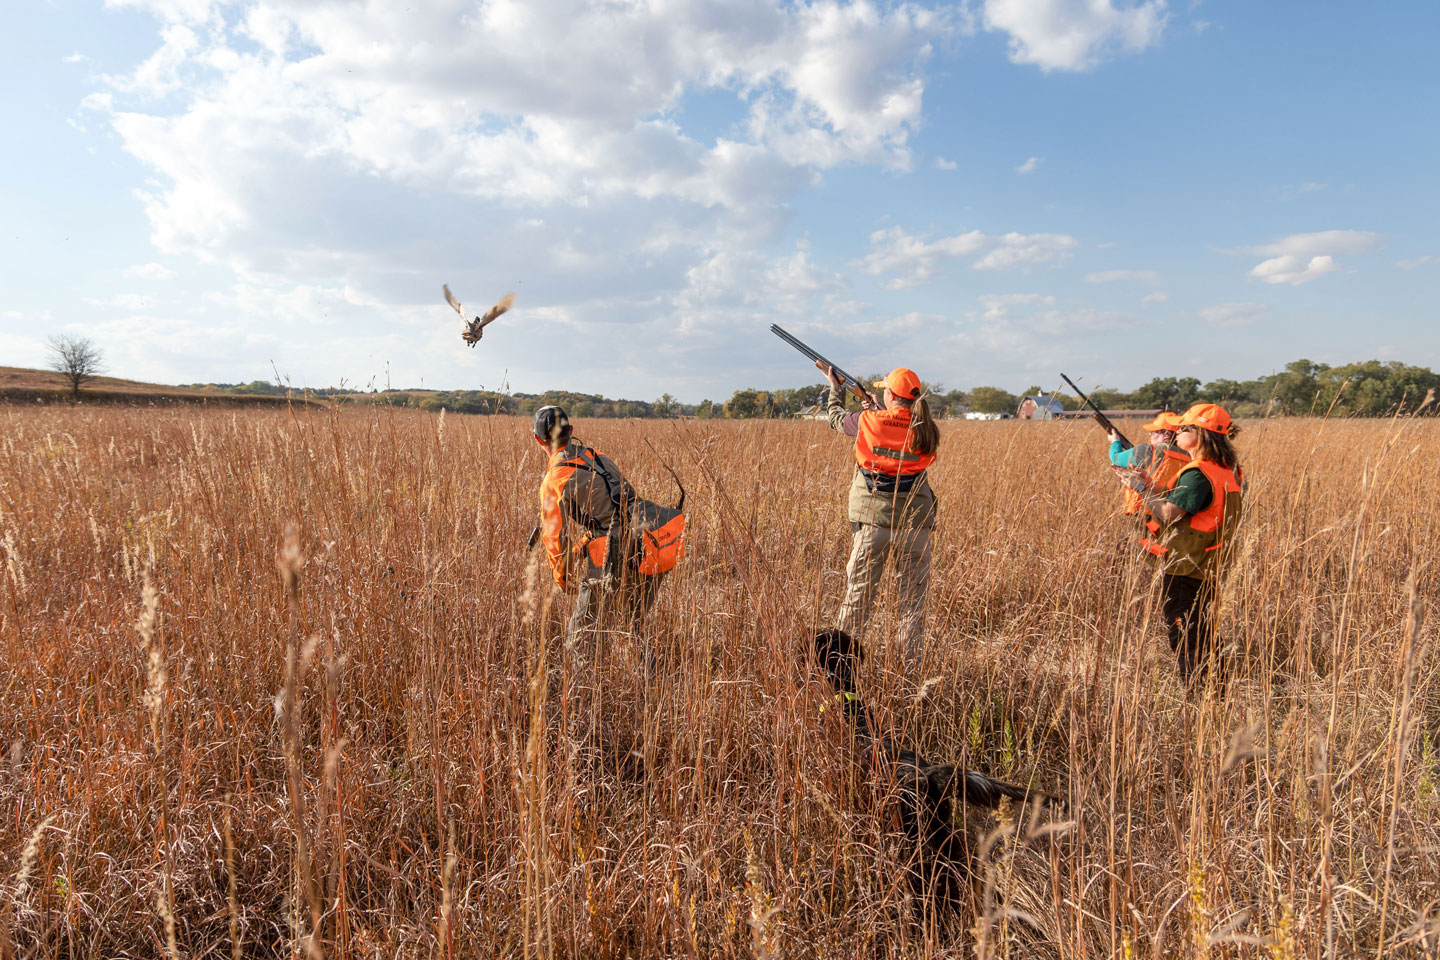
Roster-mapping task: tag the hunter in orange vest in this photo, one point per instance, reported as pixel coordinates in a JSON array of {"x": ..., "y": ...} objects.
[
  {"x": 599, "y": 536},
  {"x": 892, "y": 508},
  {"x": 1192, "y": 523},
  {"x": 1160, "y": 460}
]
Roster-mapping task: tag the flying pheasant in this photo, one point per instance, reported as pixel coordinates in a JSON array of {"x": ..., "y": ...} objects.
[{"x": 475, "y": 329}]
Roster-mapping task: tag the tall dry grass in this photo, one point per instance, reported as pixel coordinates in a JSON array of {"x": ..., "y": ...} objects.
[{"x": 366, "y": 737}]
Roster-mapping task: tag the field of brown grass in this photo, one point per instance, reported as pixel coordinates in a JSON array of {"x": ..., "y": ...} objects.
[
  {"x": 26, "y": 385},
  {"x": 358, "y": 738}
]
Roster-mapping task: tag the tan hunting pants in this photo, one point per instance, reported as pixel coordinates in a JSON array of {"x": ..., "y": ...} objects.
[{"x": 910, "y": 552}]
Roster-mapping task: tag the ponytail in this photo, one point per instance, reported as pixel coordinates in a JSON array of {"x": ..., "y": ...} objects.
[{"x": 924, "y": 432}]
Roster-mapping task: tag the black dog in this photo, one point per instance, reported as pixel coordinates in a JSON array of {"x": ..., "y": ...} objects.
[{"x": 926, "y": 792}]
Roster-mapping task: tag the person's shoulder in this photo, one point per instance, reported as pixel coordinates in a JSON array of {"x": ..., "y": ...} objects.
[{"x": 1193, "y": 476}]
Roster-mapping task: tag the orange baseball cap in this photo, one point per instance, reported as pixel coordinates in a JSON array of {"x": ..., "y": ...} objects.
[
  {"x": 1207, "y": 416},
  {"x": 1165, "y": 421},
  {"x": 902, "y": 382}
]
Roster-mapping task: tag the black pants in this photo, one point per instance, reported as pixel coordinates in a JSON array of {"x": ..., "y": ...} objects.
[{"x": 1188, "y": 603}]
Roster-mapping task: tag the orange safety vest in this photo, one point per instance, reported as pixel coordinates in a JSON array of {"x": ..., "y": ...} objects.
[
  {"x": 558, "y": 473},
  {"x": 1190, "y": 547},
  {"x": 1159, "y": 477},
  {"x": 882, "y": 450}
]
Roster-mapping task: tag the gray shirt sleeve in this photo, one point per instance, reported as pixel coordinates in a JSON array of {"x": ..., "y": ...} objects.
[{"x": 846, "y": 423}]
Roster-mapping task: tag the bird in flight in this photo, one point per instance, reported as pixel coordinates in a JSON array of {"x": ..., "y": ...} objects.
[{"x": 475, "y": 329}]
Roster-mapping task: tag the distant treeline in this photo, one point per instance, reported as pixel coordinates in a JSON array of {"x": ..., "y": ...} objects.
[{"x": 1369, "y": 389}]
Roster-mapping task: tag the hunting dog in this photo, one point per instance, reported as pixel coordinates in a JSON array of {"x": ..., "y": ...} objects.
[{"x": 926, "y": 793}]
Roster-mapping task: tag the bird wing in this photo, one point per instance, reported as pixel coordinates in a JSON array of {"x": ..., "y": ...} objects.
[
  {"x": 506, "y": 302},
  {"x": 450, "y": 299}
]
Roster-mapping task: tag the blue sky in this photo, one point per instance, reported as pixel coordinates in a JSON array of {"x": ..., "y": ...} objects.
[{"x": 990, "y": 193}]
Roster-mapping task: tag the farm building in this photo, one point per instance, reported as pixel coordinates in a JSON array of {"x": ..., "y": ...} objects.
[{"x": 1039, "y": 408}]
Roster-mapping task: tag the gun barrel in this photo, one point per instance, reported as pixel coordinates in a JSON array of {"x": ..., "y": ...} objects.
[
  {"x": 1100, "y": 418},
  {"x": 800, "y": 345}
]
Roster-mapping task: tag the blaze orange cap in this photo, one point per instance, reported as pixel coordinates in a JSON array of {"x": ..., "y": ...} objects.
[
  {"x": 1207, "y": 416},
  {"x": 1165, "y": 421},
  {"x": 902, "y": 382}
]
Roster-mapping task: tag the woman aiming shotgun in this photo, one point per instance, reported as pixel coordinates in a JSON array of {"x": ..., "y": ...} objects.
[
  {"x": 1193, "y": 522},
  {"x": 892, "y": 508}
]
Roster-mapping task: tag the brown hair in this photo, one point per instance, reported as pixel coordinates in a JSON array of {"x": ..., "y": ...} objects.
[
  {"x": 924, "y": 432},
  {"x": 1217, "y": 448}
]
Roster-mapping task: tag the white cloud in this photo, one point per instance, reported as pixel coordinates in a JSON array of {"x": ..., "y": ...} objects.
[
  {"x": 148, "y": 271},
  {"x": 893, "y": 251},
  {"x": 1074, "y": 34},
  {"x": 1000, "y": 306},
  {"x": 1157, "y": 297},
  {"x": 1419, "y": 261},
  {"x": 1029, "y": 166},
  {"x": 942, "y": 164},
  {"x": 1325, "y": 243},
  {"x": 370, "y": 147},
  {"x": 1233, "y": 314},
  {"x": 1121, "y": 276},
  {"x": 76, "y": 57},
  {"x": 1302, "y": 257},
  {"x": 913, "y": 260},
  {"x": 1035, "y": 313},
  {"x": 1019, "y": 249},
  {"x": 172, "y": 11},
  {"x": 1293, "y": 270}
]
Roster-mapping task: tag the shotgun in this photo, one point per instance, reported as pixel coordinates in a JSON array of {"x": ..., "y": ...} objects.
[
  {"x": 855, "y": 385},
  {"x": 1100, "y": 418}
]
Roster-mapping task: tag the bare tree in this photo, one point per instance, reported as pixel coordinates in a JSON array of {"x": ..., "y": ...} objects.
[{"x": 77, "y": 359}]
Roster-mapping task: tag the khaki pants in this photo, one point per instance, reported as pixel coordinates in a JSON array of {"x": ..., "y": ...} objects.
[
  {"x": 621, "y": 607},
  {"x": 910, "y": 550}
]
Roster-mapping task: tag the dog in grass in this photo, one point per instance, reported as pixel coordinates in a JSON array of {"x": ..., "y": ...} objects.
[{"x": 926, "y": 793}]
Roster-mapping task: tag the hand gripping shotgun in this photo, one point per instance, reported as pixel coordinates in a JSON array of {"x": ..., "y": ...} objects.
[{"x": 855, "y": 385}]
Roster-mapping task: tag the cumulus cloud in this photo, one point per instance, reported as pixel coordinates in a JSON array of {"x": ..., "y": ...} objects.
[
  {"x": 1020, "y": 249},
  {"x": 1419, "y": 261},
  {"x": 76, "y": 57},
  {"x": 1233, "y": 314},
  {"x": 911, "y": 260},
  {"x": 1029, "y": 166},
  {"x": 505, "y": 145},
  {"x": 1302, "y": 257},
  {"x": 1293, "y": 270},
  {"x": 1157, "y": 297},
  {"x": 942, "y": 164},
  {"x": 1074, "y": 34},
  {"x": 1324, "y": 243},
  {"x": 1122, "y": 276}
]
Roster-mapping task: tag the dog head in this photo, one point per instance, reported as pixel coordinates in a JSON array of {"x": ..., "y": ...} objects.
[{"x": 838, "y": 654}]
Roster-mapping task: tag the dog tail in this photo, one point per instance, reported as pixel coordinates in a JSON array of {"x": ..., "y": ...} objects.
[{"x": 679, "y": 504}]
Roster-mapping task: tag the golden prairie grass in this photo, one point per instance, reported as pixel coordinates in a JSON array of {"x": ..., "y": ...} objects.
[{"x": 341, "y": 719}]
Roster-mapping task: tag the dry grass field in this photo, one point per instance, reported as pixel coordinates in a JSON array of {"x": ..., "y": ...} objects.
[{"x": 358, "y": 738}]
